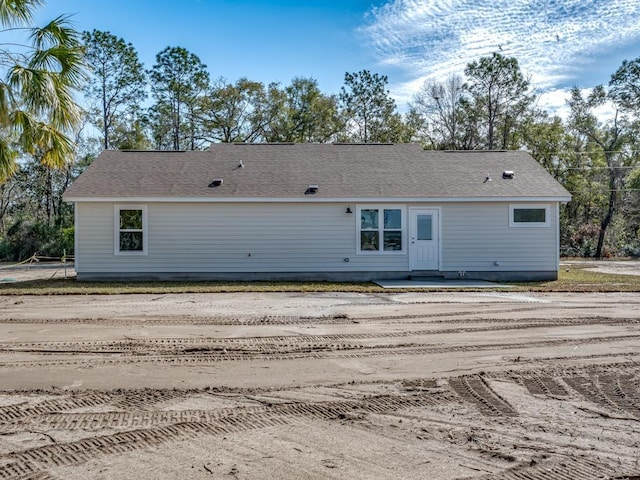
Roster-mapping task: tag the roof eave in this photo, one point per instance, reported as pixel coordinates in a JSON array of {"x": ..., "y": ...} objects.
[{"x": 315, "y": 199}]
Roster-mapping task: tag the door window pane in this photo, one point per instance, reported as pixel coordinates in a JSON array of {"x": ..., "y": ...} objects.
[{"x": 425, "y": 230}]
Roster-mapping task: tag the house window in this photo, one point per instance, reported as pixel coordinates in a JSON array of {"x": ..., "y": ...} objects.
[
  {"x": 529, "y": 216},
  {"x": 131, "y": 230},
  {"x": 380, "y": 229}
]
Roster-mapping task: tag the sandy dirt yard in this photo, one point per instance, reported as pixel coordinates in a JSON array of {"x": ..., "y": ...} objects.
[{"x": 341, "y": 386}]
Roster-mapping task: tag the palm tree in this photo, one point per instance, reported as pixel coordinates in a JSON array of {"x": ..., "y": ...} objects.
[{"x": 37, "y": 109}]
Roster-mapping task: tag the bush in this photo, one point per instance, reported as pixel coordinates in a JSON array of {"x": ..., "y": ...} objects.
[
  {"x": 25, "y": 238},
  {"x": 580, "y": 241}
]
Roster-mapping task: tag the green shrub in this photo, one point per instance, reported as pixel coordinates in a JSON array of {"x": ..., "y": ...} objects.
[
  {"x": 25, "y": 238},
  {"x": 580, "y": 241}
]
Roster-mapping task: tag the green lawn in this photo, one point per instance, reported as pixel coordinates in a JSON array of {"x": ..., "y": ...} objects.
[
  {"x": 576, "y": 278},
  {"x": 572, "y": 278}
]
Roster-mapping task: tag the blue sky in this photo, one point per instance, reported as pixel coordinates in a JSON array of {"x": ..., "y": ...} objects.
[{"x": 559, "y": 43}]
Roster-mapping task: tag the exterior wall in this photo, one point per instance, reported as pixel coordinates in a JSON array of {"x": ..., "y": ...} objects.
[
  {"x": 478, "y": 238},
  {"x": 304, "y": 241},
  {"x": 233, "y": 238}
]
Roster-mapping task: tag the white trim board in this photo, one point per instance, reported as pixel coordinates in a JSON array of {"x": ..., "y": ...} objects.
[{"x": 314, "y": 200}]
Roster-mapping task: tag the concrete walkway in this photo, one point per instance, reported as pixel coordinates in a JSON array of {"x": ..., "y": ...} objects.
[{"x": 439, "y": 283}]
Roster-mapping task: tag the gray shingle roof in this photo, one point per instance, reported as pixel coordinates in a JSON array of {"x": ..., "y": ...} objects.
[{"x": 285, "y": 171}]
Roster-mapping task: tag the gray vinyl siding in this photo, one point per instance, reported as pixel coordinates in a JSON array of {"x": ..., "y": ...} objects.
[
  {"x": 206, "y": 237},
  {"x": 475, "y": 236},
  {"x": 251, "y": 237}
]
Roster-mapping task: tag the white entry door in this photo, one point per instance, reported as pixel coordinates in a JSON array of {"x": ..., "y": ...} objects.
[{"x": 423, "y": 239}]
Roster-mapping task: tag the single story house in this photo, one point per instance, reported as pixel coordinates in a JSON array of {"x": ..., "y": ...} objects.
[{"x": 316, "y": 212}]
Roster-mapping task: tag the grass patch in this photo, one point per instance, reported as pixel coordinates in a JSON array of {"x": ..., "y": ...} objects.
[
  {"x": 577, "y": 278},
  {"x": 571, "y": 278},
  {"x": 72, "y": 287}
]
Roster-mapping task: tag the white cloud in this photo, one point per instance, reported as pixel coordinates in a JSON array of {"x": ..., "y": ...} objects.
[
  {"x": 554, "y": 40},
  {"x": 555, "y": 102}
]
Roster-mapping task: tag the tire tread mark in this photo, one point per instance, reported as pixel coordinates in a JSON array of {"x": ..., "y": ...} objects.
[
  {"x": 39, "y": 476},
  {"x": 93, "y": 399},
  {"x": 276, "y": 354},
  {"x": 225, "y": 416},
  {"x": 543, "y": 385},
  {"x": 181, "y": 344},
  {"x": 140, "y": 399},
  {"x": 558, "y": 469},
  {"x": 17, "y": 464},
  {"x": 615, "y": 388},
  {"x": 146, "y": 398},
  {"x": 296, "y": 320},
  {"x": 589, "y": 389},
  {"x": 475, "y": 390}
]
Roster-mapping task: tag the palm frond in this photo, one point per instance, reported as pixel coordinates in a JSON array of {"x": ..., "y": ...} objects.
[
  {"x": 35, "y": 137},
  {"x": 46, "y": 95},
  {"x": 6, "y": 100},
  {"x": 58, "y": 31},
  {"x": 67, "y": 113},
  {"x": 17, "y": 12},
  {"x": 24, "y": 125},
  {"x": 67, "y": 62},
  {"x": 8, "y": 163},
  {"x": 57, "y": 149},
  {"x": 37, "y": 107},
  {"x": 35, "y": 87}
]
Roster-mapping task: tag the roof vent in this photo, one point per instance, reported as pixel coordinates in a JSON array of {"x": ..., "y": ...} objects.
[
  {"x": 216, "y": 182},
  {"x": 508, "y": 174},
  {"x": 240, "y": 165},
  {"x": 313, "y": 189}
]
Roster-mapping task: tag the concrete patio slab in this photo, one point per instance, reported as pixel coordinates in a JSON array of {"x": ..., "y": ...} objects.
[{"x": 439, "y": 283}]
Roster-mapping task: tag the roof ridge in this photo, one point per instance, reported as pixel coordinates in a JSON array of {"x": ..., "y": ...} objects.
[
  {"x": 475, "y": 151},
  {"x": 153, "y": 151}
]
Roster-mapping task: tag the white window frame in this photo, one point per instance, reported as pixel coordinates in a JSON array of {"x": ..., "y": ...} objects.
[
  {"x": 116, "y": 230},
  {"x": 381, "y": 208},
  {"x": 547, "y": 216}
]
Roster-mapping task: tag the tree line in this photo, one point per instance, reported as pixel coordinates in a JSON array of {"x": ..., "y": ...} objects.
[
  {"x": 187, "y": 110},
  {"x": 175, "y": 104}
]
